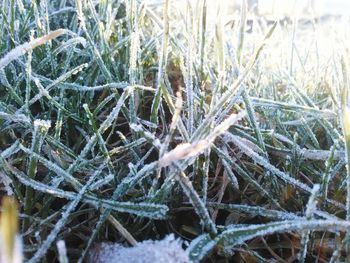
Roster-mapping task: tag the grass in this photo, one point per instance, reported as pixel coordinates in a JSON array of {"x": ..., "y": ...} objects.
[{"x": 125, "y": 121}]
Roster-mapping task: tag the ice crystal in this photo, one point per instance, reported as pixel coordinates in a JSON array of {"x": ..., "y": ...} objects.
[{"x": 168, "y": 250}]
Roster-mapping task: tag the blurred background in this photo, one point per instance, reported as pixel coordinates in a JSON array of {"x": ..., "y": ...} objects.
[
  {"x": 278, "y": 8},
  {"x": 306, "y": 7}
]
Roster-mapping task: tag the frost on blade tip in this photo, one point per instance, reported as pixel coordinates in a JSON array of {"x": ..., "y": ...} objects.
[
  {"x": 168, "y": 250},
  {"x": 62, "y": 251},
  {"x": 311, "y": 205},
  {"x": 310, "y": 210},
  {"x": 146, "y": 134},
  {"x": 183, "y": 151},
  {"x": 200, "y": 247}
]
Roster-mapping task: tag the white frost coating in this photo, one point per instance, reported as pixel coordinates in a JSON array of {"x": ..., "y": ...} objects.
[
  {"x": 112, "y": 85},
  {"x": 247, "y": 142},
  {"x": 62, "y": 251},
  {"x": 69, "y": 43},
  {"x": 240, "y": 234},
  {"x": 102, "y": 182},
  {"x": 311, "y": 205},
  {"x": 346, "y": 131},
  {"x": 173, "y": 124},
  {"x": 168, "y": 250},
  {"x": 197, "y": 203},
  {"x": 147, "y": 134},
  {"x": 46, "y": 90},
  {"x": 183, "y": 151},
  {"x": 104, "y": 126},
  {"x": 22, "y": 49},
  {"x": 10, "y": 150},
  {"x": 150, "y": 210},
  {"x": 15, "y": 117},
  {"x": 6, "y": 181},
  {"x": 187, "y": 71},
  {"x": 200, "y": 247},
  {"x": 136, "y": 127},
  {"x": 134, "y": 51},
  {"x": 231, "y": 175},
  {"x": 262, "y": 161},
  {"x": 42, "y": 125},
  {"x": 115, "y": 111},
  {"x": 68, "y": 209},
  {"x": 256, "y": 210},
  {"x": 227, "y": 123},
  {"x": 187, "y": 150},
  {"x": 310, "y": 209}
]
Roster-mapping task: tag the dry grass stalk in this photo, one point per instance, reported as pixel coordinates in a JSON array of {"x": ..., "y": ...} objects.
[{"x": 24, "y": 48}]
